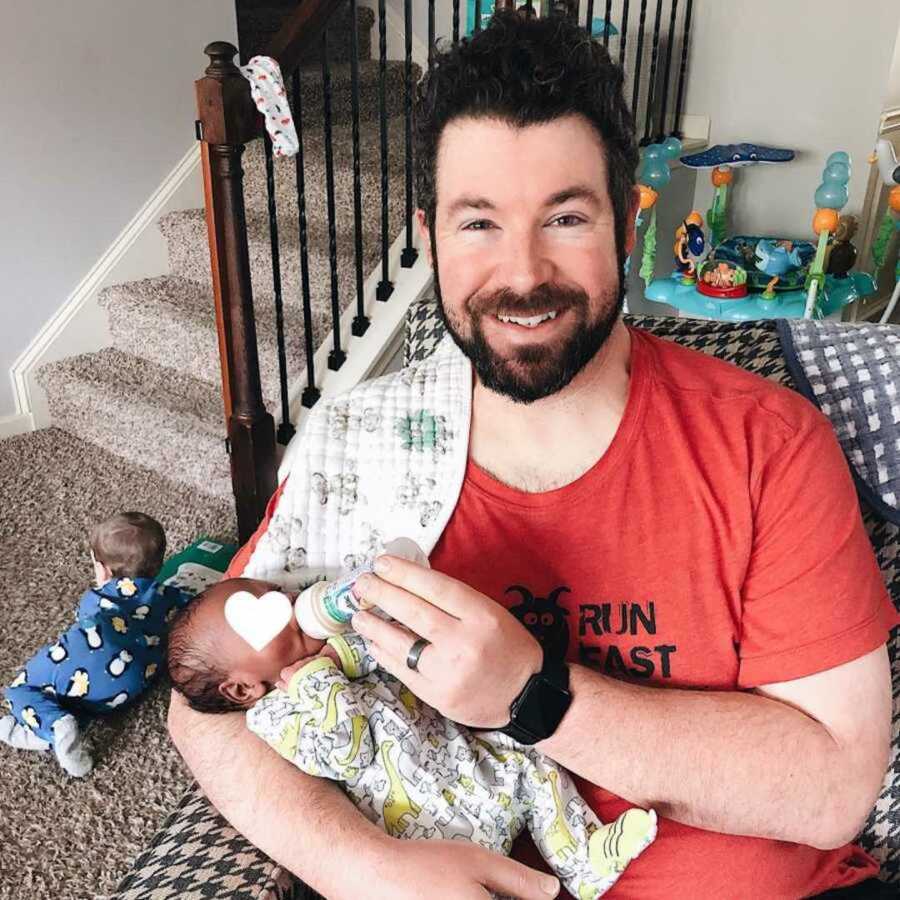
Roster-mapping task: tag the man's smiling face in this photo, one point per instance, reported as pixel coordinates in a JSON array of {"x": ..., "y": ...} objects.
[{"x": 529, "y": 278}]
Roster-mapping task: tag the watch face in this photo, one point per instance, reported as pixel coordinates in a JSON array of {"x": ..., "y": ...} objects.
[{"x": 542, "y": 708}]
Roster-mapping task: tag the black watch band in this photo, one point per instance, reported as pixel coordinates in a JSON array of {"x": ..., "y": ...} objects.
[{"x": 536, "y": 713}]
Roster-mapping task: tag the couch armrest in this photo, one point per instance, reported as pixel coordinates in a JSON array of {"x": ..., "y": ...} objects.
[{"x": 197, "y": 853}]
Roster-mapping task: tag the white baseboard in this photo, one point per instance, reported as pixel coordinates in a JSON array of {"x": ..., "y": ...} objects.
[
  {"x": 79, "y": 325},
  {"x": 10, "y": 425},
  {"x": 695, "y": 129}
]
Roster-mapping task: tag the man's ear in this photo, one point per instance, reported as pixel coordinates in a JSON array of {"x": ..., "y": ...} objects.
[
  {"x": 631, "y": 216},
  {"x": 241, "y": 692},
  {"x": 425, "y": 235}
]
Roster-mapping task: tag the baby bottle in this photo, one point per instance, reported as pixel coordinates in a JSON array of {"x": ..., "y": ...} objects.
[{"x": 325, "y": 608}]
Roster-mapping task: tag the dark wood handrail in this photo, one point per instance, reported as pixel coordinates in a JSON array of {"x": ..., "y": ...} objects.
[{"x": 302, "y": 27}]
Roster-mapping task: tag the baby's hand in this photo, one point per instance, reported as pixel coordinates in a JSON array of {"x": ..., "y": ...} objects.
[{"x": 287, "y": 673}]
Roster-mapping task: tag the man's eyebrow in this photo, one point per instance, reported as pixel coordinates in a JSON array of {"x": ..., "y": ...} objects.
[
  {"x": 575, "y": 192},
  {"x": 464, "y": 202}
]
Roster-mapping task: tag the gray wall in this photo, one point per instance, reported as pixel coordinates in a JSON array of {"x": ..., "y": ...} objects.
[
  {"x": 892, "y": 97},
  {"x": 97, "y": 108},
  {"x": 810, "y": 76}
]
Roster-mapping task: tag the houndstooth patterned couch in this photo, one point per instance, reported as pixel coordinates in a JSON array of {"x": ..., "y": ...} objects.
[{"x": 197, "y": 855}]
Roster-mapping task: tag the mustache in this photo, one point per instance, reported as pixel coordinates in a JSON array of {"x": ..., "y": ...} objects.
[{"x": 542, "y": 299}]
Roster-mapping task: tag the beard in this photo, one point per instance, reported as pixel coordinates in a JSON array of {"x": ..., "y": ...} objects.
[{"x": 539, "y": 370}]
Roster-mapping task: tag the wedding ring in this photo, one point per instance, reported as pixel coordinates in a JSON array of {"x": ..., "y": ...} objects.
[{"x": 412, "y": 658}]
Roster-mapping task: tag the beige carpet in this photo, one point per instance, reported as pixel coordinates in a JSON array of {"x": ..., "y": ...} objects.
[{"x": 60, "y": 837}]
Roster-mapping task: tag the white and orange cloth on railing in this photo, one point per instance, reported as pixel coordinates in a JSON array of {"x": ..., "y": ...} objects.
[{"x": 267, "y": 90}]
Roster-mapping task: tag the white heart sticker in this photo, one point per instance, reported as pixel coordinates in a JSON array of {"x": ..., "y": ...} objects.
[{"x": 258, "y": 620}]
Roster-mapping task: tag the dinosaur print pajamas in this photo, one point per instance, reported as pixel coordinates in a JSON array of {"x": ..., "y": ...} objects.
[{"x": 419, "y": 775}]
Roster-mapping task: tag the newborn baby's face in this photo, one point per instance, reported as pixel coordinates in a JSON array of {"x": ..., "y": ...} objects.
[{"x": 240, "y": 659}]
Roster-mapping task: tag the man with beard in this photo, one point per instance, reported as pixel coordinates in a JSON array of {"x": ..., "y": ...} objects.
[{"x": 608, "y": 470}]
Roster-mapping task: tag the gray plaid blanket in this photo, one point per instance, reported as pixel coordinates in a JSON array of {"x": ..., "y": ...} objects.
[{"x": 851, "y": 371}]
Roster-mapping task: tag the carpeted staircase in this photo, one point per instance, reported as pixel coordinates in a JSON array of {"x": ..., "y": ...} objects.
[{"x": 162, "y": 375}]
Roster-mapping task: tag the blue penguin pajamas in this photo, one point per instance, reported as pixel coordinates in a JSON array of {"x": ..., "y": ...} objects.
[{"x": 107, "y": 659}]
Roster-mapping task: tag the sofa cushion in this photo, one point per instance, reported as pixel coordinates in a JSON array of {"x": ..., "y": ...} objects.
[{"x": 197, "y": 855}]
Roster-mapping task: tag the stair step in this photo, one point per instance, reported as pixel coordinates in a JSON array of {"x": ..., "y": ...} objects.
[
  {"x": 175, "y": 319},
  {"x": 254, "y": 166},
  {"x": 149, "y": 415},
  {"x": 187, "y": 240},
  {"x": 311, "y": 90}
]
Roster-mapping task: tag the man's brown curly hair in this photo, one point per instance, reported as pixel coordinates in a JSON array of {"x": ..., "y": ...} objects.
[{"x": 527, "y": 71}]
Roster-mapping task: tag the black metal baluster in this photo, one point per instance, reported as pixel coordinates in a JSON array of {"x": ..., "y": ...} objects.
[
  {"x": 385, "y": 287},
  {"x": 589, "y": 19},
  {"x": 637, "y": 62},
  {"x": 285, "y": 429},
  {"x": 477, "y": 26},
  {"x": 676, "y": 130},
  {"x": 310, "y": 393},
  {"x": 455, "y": 21},
  {"x": 337, "y": 356},
  {"x": 430, "y": 35},
  {"x": 661, "y": 131},
  {"x": 360, "y": 321},
  {"x": 623, "y": 33},
  {"x": 651, "y": 89},
  {"x": 607, "y": 17},
  {"x": 410, "y": 254}
]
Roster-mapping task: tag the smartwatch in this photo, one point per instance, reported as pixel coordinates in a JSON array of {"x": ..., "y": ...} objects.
[{"x": 536, "y": 713}]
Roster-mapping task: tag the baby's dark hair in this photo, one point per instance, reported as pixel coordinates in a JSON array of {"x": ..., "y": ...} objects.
[
  {"x": 194, "y": 664},
  {"x": 132, "y": 544},
  {"x": 527, "y": 71}
]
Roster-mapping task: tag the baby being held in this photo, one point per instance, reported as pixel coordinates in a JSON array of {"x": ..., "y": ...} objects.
[
  {"x": 214, "y": 668},
  {"x": 326, "y": 707}
]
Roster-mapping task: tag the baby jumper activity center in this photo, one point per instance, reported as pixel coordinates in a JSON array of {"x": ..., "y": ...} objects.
[{"x": 744, "y": 277}]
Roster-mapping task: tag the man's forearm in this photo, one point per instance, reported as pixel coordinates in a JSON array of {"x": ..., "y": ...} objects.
[
  {"x": 303, "y": 823},
  {"x": 725, "y": 761}
]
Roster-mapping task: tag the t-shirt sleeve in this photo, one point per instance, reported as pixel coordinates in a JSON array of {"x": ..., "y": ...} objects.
[
  {"x": 813, "y": 597},
  {"x": 242, "y": 557}
]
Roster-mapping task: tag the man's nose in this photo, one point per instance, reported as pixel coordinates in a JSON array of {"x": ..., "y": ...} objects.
[{"x": 527, "y": 263}]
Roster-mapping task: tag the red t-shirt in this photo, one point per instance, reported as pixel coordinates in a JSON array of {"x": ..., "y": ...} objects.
[{"x": 716, "y": 544}]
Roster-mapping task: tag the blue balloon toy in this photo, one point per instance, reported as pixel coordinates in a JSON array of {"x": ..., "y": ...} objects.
[
  {"x": 831, "y": 195},
  {"x": 838, "y": 156},
  {"x": 836, "y": 172},
  {"x": 672, "y": 148},
  {"x": 655, "y": 174}
]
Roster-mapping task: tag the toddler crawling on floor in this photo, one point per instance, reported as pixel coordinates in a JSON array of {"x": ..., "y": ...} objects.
[
  {"x": 109, "y": 657},
  {"x": 335, "y": 714}
]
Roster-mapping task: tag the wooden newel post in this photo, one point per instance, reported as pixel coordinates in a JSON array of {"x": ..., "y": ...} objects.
[{"x": 228, "y": 120}]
